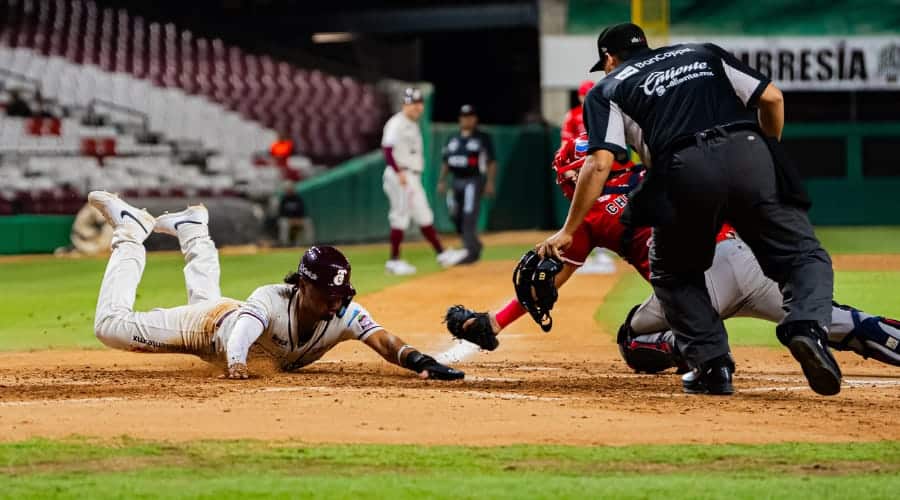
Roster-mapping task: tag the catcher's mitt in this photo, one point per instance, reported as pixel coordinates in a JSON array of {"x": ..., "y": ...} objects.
[
  {"x": 479, "y": 331},
  {"x": 534, "y": 279}
]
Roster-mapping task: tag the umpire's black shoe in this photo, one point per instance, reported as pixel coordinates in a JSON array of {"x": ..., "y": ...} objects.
[
  {"x": 713, "y": 378},
  {"x": 808, "y": 344}
]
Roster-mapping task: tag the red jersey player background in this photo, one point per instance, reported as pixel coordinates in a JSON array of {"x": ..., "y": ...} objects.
[
  {"x": 735, "y": 281},
  {"x": 573, "y": 122}
]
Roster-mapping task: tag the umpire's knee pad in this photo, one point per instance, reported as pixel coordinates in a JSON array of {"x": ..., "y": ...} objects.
[{"x": 647, "y": 353}]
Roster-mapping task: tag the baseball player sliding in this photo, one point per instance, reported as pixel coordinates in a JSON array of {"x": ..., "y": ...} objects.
[
  {"x": 296, "y": 322},
  {"x": 736, "y": 284}
]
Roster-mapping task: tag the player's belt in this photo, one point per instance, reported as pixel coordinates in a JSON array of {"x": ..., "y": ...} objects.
[
  {"x": 222, "y": 319},
  {"x": 696, "y": 138}
]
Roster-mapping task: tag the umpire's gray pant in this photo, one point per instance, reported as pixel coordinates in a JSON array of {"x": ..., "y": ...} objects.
[
  {"x": 732, "y": 177},
  {"x": 466, "y": 207}
]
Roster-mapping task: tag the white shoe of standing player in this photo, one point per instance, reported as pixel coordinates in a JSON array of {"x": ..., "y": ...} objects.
[
  {"x": 133, "y": 223},
  {"x": 598, "y": 263},
  {"x": 192, "y": 216},
  {"x": 452, "y": 256},
  {"x": 399, "y": 267}
]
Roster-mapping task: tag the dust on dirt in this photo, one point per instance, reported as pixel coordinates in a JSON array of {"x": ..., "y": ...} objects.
[{"x": 565, "y": 387}]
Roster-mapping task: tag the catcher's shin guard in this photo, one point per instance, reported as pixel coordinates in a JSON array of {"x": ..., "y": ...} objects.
[
  {"x": 649, "y": 352},
  {"x": 874, "y": 337}
]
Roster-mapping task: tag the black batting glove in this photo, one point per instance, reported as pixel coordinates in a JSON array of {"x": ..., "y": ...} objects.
[{"x": 418, "y": 362}]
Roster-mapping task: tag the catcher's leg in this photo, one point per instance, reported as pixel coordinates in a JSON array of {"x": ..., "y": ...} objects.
[
  {"x": 869, "y": 336},
  {"x": 851, "y": 329},
  {"x": 648, "y": 352},
  {"x": 201, "y": 269}
]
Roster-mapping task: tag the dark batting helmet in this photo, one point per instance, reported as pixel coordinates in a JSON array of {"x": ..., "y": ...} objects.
[{"x": 327, "y": 269}]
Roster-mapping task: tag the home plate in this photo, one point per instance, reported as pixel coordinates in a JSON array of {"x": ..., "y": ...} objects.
[{"x": 459, "y": 352}]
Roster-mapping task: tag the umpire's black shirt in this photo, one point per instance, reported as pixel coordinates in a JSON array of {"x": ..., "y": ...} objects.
[
  {"x": 659, "y": 96},
  {"x": 468, "y": 156}
]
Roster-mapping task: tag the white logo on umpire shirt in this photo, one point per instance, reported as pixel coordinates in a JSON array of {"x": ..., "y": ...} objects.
[
  {"x": 625, "y": 73},
  {"x": 659, "y": 82}
]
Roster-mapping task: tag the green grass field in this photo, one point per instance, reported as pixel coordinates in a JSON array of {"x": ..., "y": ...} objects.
[
  {"x": 49, "y": 303},
  {"x": 251, "y": 469}
]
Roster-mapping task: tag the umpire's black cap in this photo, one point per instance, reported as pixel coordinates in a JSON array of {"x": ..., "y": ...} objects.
[
  {"x": 617, "y": 38},
  {"x": 467, "y": 110}
]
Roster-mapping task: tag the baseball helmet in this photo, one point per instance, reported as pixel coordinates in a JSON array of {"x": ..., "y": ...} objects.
[
  {"x": 412, "y": 95},
  {"x": 327, "y": 269}
]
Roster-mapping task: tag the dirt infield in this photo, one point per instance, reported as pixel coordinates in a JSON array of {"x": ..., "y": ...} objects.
[{"x": 565, "y": 387}]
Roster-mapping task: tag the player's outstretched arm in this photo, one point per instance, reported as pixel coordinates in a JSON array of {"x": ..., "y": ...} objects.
[
  {"x": 394, "y": 350},
  {"x": 247, "y": 329}
]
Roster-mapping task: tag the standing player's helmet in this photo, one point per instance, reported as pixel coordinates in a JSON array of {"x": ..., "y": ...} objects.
[
  {"x": 326, "y": 268},
  {"x": 412, "y": 95}
]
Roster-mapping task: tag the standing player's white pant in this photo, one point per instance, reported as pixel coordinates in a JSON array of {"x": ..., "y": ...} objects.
[
  {"x": 184, "y": 329},
  {"x": 407, "y": 202},
  {"x": 737, "y": 288}
]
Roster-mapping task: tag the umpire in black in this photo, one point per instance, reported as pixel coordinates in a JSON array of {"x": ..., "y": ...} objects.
[
  {"x": 708, "y": 126},
  {"x": 469, "y": 156}
]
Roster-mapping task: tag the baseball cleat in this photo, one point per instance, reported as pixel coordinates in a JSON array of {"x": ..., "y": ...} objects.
[
  {"x": 451, "y": 257},
  {"x": 399, "y": 267},
  {"x": 819, "y": 367},
  {"x": 714, "y": 378},
  {"x": 806, "y": 341},
  {"x": 120, "y": 214},
  {"x": 191, "y": 216}
]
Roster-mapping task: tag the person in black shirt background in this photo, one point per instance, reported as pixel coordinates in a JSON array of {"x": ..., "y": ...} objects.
[
  {"x": 469, "y": 155},
  {"x": 708, "y": 127},
  {"x": 294, "y": 224}
]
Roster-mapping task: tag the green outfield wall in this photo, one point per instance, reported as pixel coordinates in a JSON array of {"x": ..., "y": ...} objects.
[
  {"x": 34, "y": 233},
  {"x": 348, "y": 204}
]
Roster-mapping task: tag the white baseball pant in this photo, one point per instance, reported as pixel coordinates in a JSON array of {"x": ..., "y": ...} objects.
[
  {"x": 407, "y": 202},
  {"x": 184, "y": 329}
]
